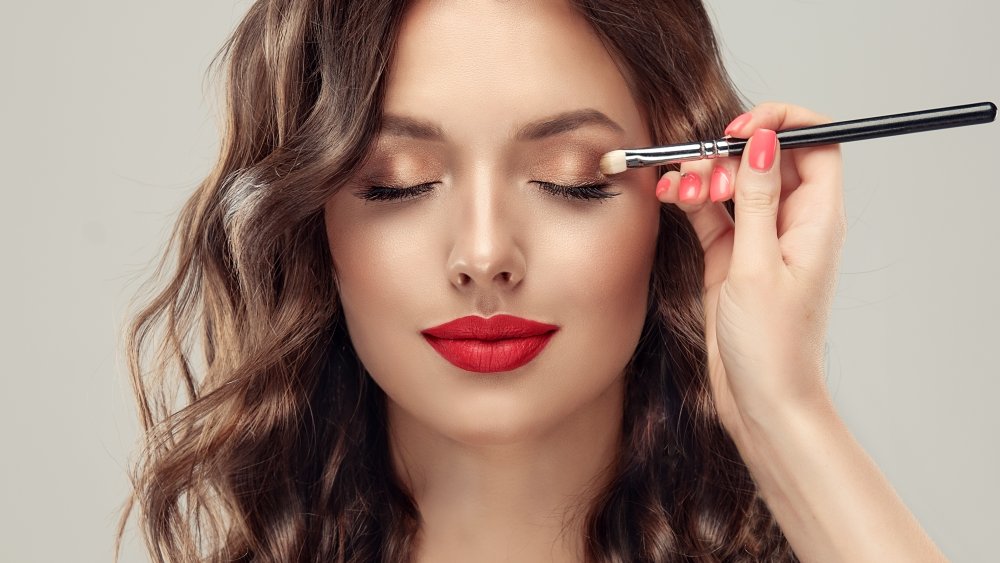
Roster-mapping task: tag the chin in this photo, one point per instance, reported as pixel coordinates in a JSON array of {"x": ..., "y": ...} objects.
[{"x": 496, "y": 421}]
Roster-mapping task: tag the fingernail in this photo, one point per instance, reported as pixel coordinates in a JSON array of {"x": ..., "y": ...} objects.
[
  {"x": 762, "y": 146},
  {"x": 739, "y": 122},
  {"x": 690, "y": 187},
  {"x": 719, "y": 187},
  {"x": 662, "y": 186}
]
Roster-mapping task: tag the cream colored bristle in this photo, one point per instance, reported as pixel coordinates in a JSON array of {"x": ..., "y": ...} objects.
[{"x": 613, "y": 162}]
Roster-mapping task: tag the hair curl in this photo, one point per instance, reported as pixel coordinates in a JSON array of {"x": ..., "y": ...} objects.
[{"x": 278, "y": 449}]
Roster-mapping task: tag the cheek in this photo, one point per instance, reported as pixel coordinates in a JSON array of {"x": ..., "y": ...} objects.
[
  {"x": 378, "y": 266},
  {"x": 602, "y": 267},
  {"x": 381, "y": 276},
  {"x": 600, "y": 272}
]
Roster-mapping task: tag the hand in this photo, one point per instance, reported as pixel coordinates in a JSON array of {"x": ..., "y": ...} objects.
[{"x": 770, "y": 277}]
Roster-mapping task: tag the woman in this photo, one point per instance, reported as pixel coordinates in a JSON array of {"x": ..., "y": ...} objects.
[{"x": 399, "y": 177}]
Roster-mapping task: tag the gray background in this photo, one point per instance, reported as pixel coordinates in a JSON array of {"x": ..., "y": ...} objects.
[{"x": 108, "y": 126}]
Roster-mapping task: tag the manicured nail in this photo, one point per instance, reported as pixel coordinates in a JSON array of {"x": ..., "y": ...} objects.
[
  {"x": 662, "y": 186},
  {"x": 690, "y": 187},
  {"x": 719, "y": 188},
  {"x": 740, "y": 121},
  {"x": 762, "y": 146}
]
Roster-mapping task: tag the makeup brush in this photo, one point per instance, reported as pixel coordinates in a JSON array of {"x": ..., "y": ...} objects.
[{"x": 618, "y": 161}]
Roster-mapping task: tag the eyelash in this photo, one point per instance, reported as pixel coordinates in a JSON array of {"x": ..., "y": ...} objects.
[{"x": 592, "y": 191}]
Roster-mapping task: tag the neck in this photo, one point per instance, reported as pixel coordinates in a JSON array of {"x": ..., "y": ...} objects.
[{"x": 522, "y": 500}]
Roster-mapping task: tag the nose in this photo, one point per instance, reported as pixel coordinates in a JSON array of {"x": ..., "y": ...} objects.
[{"x": 485, "y": 254}]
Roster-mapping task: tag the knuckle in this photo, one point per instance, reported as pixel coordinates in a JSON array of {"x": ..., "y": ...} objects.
[
  {"x": 823, "y": 118},
  {"x": 768, "y": 105},
  {"x": 757, "y": 201}
]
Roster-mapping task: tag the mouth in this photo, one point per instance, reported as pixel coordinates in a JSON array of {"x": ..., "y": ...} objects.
[{"x": 487, "y": 345}]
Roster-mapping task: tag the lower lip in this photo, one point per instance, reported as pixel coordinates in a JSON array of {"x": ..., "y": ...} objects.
[{"x": 488, "y": 356}]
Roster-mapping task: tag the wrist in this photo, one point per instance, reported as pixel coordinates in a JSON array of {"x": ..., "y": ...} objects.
[
  {"x": 770, "y": 432},
  {"x": 825, "y": 492},
  {"x": 778, "y": 413}
]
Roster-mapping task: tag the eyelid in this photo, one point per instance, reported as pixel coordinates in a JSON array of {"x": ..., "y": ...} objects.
[
  {"x": 393, "y": 193},
  {"x": 584, "y": 191},
  {"x": 588, "y": 191}
]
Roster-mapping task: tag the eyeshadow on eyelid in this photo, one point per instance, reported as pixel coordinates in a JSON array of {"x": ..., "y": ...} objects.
[
  {"x": 571, "y": 160},
  {"x": 402, "y": 164},
  {"x": 574, "y": 165},
  {"x": 568, "y": 164},
  {"x": 577, "y": 150}
]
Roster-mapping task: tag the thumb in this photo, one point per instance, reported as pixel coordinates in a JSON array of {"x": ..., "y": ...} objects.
[{"x": 756, "y": 194}]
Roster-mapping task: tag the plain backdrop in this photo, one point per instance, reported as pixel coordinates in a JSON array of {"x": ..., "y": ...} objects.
[{"x": 108, "y": 126}]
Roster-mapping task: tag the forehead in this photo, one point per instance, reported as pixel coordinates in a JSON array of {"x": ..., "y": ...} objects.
[{"x": 483, "y": 67}]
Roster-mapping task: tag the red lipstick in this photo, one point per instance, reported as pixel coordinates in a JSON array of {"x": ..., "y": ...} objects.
[{"x": 498, "y": 343}]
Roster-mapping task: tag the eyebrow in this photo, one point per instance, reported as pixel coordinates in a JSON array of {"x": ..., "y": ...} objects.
[{"x": 404, "y": 126}]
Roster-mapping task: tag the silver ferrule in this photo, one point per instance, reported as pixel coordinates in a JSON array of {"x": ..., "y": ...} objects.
[{"x": 636, "y": 158}]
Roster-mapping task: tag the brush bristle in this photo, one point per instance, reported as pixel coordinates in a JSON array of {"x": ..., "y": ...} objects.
[{"x": 613, "y": 162}]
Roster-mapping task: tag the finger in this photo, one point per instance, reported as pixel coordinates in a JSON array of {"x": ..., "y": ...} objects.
[
  {"x": 774, "y": 116},
  {"x": 694, "y": 183},
  {"x": 777, "y": 117},
  {"x": 666, "y": 187},
  {"x": 688, "y": 189},
  {"x": 757, "y": 194},
  {"x": 721, "y": 183},
  {"x": 819, "y": 168}
]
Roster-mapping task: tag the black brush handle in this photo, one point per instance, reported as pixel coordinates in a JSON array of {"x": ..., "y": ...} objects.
[{"x": 882, "y": 126}]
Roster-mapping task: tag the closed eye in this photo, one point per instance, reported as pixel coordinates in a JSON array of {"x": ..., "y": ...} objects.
[
  {"x": 387, "y": 193},
  {"x": 590, "y": 191},
  {"x": 580, "y": 191}
]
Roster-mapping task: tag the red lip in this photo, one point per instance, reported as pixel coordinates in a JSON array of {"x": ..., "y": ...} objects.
[{"x": 498, "y": 343}]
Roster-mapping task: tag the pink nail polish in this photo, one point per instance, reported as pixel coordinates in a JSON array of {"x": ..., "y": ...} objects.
[
  {"x": 739, "y": 122},
  {"x": 762, "y": 147},
  {"x": 690, "y": 187},
  {"x": 719, "y": 189},
  {"x": 662, "y": 186}
]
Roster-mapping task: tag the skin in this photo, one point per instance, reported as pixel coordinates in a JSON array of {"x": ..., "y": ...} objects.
[
  {"x": 501, "y": 465},
  {"x": 769, "y": 285}
]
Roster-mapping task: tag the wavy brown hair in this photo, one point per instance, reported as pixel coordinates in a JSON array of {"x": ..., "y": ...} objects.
[{"x": 264, "y": 436}]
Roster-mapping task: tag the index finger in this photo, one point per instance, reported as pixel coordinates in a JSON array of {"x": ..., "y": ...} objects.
[
  {"x": 807, "y": 163},
  {"x": 775, "y": 116}
]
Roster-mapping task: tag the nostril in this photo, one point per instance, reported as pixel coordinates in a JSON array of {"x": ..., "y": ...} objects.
[{"x": 463, "y": 279}]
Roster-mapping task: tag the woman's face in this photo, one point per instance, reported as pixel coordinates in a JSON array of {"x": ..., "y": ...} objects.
[{"x": 485, "y": 100}]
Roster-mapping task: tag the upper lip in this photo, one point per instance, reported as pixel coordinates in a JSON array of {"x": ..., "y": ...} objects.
[{"x": 497, "y": 327}]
